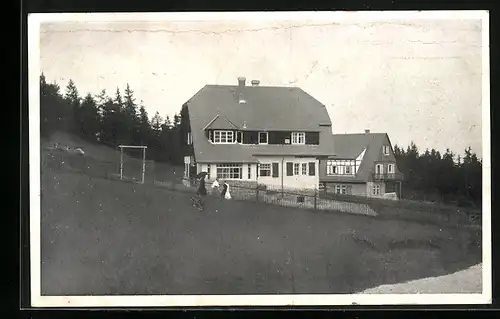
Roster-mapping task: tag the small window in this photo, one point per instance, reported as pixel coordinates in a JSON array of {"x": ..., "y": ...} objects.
[
  {"x": 265, "y": 170},
  {"x": 249, "y": 171},
  {"x": 386, "y": 150},
  {"x": 375, "y": 189},
  {"x": 298, "y": 138},
  {"x": 348, "y": 170},
  {"x": 390, "y": 168},
  {"x": 340, "y": 189},
  {"x": 304, "y": 169},
  {"x": 263, "y": 137},
  {"x": 296, "y": 169},
  {"x": 208, "y": 171},
  {"x": 189, "y": 138}
]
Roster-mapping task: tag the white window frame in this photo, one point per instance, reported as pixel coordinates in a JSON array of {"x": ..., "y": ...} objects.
[
  {"x": 381, "y": 172},
  {"x": 218, "y": 135},
  {"x": 341, "y": 167},
  {"x": 249, "y": 171},
  {"x": 265, "y": 167},
  {"x": 390, "y": 168},
  {"x": 303, "y": 169},
  {"x": 348, "y": 170},
  {"x": 296, "y": 169},
  {"x": 267, "y": 137},
  {"x": 298, "y": 138},
  {"x": 331, "y": 168},
  {"x": 229, "y": 171},
  {"x": 375, "y": 189},
  {"x": 189, "y": 138},
  {"x": 386, "y": 150},
  {"x": 340, "y": 189}
]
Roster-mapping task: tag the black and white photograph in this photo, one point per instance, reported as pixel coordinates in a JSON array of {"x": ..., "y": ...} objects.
[{"x": 259, "y": 158}]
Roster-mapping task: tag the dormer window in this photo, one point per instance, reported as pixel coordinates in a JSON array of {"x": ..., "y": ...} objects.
[
  {"x": 386, "y": 149},
  {"x": 298, "y": 138},
  {"x": 224, "y": 137},
  {"x": 263, "y": 137}
]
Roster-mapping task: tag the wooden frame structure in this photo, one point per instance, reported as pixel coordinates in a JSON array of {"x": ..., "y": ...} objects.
[{"x": 143, "y": 147}]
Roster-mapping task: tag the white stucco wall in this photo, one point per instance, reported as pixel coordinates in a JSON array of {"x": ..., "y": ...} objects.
[
  {"x": 300, "y": 181},
  {"x": 244, "y": 171}
]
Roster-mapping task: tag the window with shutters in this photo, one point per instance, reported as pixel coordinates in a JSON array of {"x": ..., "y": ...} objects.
[
  {"x": 289, "y": 169},
  {"x": 265, "y": 170},
  {"x": 224, "y": 137},
  {"x": 298, "y": 137},
  {"x": 312, "y": 169},
  {"x": 296, "y": 169},
  {"x": 275, "y": 170}
]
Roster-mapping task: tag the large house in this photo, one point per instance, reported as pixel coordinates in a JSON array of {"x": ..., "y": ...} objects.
[
  {"x": 362, "y": 164},
  {"x": 269, "y": 135}
]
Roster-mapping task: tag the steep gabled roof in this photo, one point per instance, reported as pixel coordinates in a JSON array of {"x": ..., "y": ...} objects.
[
  {"x": 350, "y": 146},
  {"x": 265, "y": 108},
  {"x": 221, "y": 123}
]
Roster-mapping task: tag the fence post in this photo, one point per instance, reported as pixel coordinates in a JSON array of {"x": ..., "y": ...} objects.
[{"x": 315, "y": 198}]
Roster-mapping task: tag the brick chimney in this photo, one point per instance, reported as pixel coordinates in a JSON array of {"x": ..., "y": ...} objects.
[
  {"x": 241, "y": 81},
  {"x": 241, "y": 84},
  {"x": 255, "y": 82}
]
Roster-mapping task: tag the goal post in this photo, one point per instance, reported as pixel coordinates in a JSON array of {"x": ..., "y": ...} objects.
[{"x": 125, "y": 157}]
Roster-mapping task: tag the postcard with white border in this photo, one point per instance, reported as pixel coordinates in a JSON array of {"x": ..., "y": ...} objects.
[{"x": 259, "y": 159}]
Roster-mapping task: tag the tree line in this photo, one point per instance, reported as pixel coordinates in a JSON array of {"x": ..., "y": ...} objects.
[
  {"x": 449, "y": 177},
  {"x": 119, "y": 119},
  {"x": 110, "y": 120}
]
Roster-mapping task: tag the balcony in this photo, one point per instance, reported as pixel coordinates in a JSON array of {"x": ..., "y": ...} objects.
[{"x": 388, "y": 176}]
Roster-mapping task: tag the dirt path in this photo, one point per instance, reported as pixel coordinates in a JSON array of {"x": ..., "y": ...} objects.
[{"x": 464, "y": 281}]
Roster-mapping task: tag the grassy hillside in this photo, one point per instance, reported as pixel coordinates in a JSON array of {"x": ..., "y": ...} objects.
[
  {"x": 108, "y": 237},
  {"x": 108, "y": 158}
]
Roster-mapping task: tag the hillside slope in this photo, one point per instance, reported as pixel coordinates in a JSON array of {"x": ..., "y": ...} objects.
[
  {"x": 110, "y": 158},
  {"x": 107, "y": 237}
]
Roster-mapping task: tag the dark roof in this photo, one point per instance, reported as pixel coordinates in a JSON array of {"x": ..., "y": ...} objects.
[
  {"x": 266, "y": 108},
  {"x": 350, "y": 146}
]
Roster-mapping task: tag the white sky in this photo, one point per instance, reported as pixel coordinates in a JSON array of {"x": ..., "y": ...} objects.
[{"x": 416, "y": 80}]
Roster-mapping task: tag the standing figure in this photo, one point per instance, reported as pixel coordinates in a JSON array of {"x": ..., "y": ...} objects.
[
  {"x": 201, "y": 192},
  {"x": 225, "y": 191},
  {"x": 215, "y": 187}
]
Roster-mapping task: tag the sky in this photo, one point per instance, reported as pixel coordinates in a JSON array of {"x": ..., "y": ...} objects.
[{"x": 417, "y": 80}]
